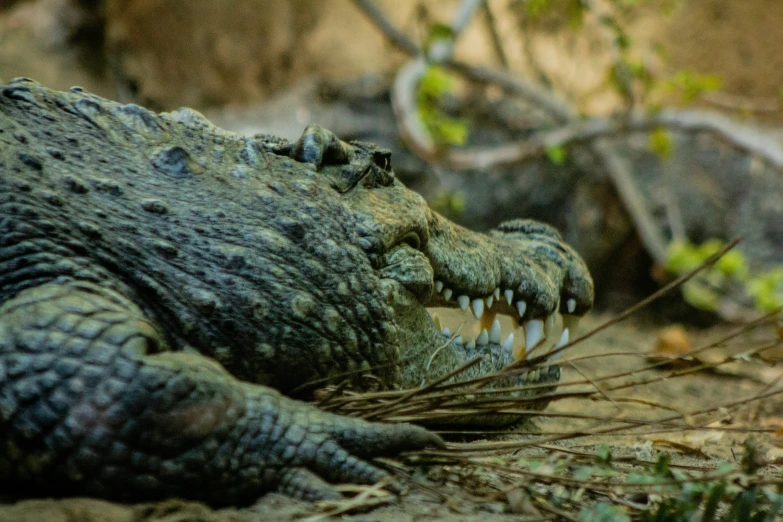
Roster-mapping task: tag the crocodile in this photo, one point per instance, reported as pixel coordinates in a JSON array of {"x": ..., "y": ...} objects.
[{"x": 170, "y": 292}]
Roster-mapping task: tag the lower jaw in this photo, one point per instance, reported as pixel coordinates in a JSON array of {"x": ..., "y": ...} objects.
[{"x": 511, "y": 415}]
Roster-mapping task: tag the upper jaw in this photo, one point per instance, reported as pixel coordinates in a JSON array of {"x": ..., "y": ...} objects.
[
  {"x": 411, "y": 274},
  {"x": 522, "y": 270}
]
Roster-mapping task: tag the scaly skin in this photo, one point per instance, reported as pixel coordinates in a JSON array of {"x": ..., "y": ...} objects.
[{"x": 160, "y": 279}]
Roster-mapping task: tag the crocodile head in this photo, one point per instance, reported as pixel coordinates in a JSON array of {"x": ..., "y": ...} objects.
[{"x": 522, "y": 270}]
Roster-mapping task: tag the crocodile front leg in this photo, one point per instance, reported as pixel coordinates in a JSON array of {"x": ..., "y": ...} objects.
[{"x": 91, "y": 403}]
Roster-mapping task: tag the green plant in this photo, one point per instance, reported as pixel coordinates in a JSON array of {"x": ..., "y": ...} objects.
[
  {"x": 449, "y": 203},
  {"x": 691, "y": 85},
  {"x": 764, "y": 288},
  {"x": 444, "y": 129}
]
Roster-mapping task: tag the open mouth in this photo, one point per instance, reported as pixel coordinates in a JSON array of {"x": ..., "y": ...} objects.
[{"x": 501, "y": 322}]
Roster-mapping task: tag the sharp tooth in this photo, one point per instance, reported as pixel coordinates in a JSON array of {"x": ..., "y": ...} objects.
[
  {"x": 563, "y": 339},
  {"x": 496, "y": 293},
  {"x": 436, "y": 320},
  {"x": 508, "y": 344},
  {"x": 489, "y": 300},
  {"x": 463, "y": 302},
  {"x": 458, "y": 339},
  {"x": 521, "y": 307},
  {"x": 483, "y": 338},
  {"x": 518, "y": 352},
  {"x": 446, "y": 332},
  {"x": 549, "y": 325},
  {"x": 471, "y": 344},
  {"x": 478, "y": 307},
  {"x": 487, "y": 319},
  {"x": 571, "y": 305},
  {"x": 509, "y": 296},
  {"x": 447, "y": 294},
  {"x": 534, "y": 332},
  {"x": 439, "y": 286},
  {"x": 494, "y": 333},
  {"x": 572, "y": 323}
]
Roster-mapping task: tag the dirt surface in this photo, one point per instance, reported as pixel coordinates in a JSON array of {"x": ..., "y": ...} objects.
[
  {"x": 440, "y": 493},
  {"x": 737, "y": 41}
]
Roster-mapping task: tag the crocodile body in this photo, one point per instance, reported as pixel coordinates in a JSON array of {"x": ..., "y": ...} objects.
[{"x": 165, "y": 286}]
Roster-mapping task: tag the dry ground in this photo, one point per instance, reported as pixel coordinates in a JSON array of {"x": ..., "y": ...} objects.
[{"x": 447, "y": 492}]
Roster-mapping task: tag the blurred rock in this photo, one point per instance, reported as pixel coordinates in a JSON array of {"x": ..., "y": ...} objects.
[
  {"x": 211, "y": 52},
  {"x": 56, "y": 42}
]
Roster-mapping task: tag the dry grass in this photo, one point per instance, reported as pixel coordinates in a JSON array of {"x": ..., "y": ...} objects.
[{"x": 545, "y": 475}]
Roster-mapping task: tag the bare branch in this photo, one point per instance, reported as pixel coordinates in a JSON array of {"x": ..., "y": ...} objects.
[
  {"x": 494, "y": 36},
  {"x": 735, "y": 102},
  {"x": 515, "y": 86},
  {"x": 443, "y": 49},
  {"x": 396, "y": 37},
  {"x": 608, "y": 29},
  {"x": 741, "y": 137},
  {"x": 649, "y": 231},
  {"x": 464, "y": 14},
  {"x": 403, "y": 97}
]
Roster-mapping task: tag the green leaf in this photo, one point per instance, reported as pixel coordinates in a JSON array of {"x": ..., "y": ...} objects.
[
  {"x": 435, "y": 83},
  {"x": 713, "y": 501},
  {"x": 662, "y": 465},
  {"x": 576, "y": 13},
  {"x": 445, "y": 130},
  {"x": 767, "y": 289},
  {"x": 583, "y": 472},
  {"x": 536, "y": 8},
  {"x": 437, "y": 32},
  {"x": 452, "y": 131},
  {"x": 775, "y": 508},
  {"x": 743, "y": 506},
  {"x": 556, "y": 154},
  {"x": 603, "y": 512},
  {"x": 709, "y": 248},
  {"x": 700, "y": 296},
  {"x": 660, "y": 142},
  {"x": 691, "y": 84},
  {"x": 734, "y": 264},
  {"x": 603, "y": 455},
  {"x": 451, "y": 204},
  {"x": 682, "y": 257}
]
